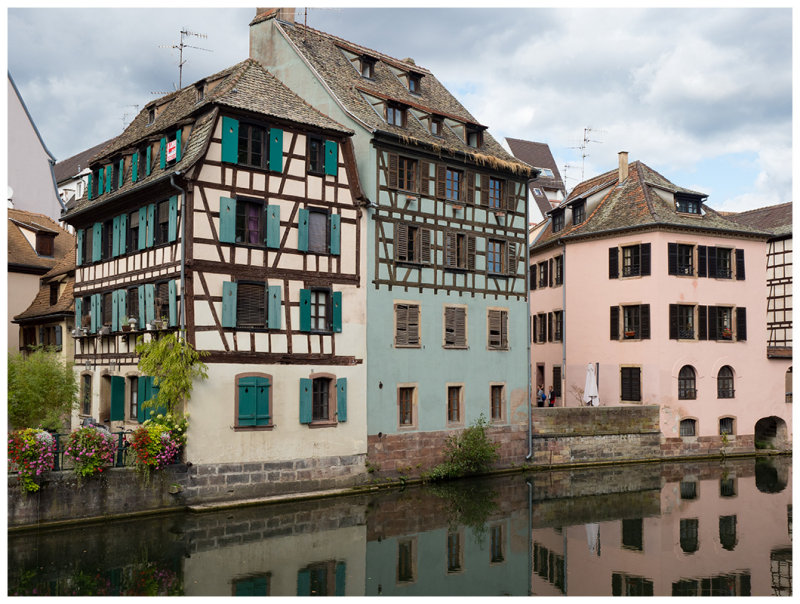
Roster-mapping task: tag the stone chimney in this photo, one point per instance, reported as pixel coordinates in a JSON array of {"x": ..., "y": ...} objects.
[{"x": 623, "y": 166}]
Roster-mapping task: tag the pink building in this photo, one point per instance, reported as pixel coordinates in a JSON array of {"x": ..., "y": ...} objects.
[{"x": 665, "y": 298}]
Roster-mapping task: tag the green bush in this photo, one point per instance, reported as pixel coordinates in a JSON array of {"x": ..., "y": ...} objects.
[
  {"x": 42, "y": 390},
  {"x": 468, "y": 452}
]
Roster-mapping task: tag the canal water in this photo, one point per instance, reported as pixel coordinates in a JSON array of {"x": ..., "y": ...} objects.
[{"x": 706, "y": 528}]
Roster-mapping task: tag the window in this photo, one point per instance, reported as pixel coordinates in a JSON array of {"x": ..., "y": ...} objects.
[
  {"x": 558, "y": 270},
  {"x": 320, "y": 310},
  {"x": 412, "y": 243},
  {"x": 635, "y": 322},
  {"x": 635, "y": 261},
  {"x": 406, "y": 560},
  {"x": 681, "y": 322},
  {"x": 88, "y": 243},
  {"x": 106, "y": 240},
  {"x": 414, "y": 83},
  {"x": 578, "y": 212},
  {"x": 45, "y": 244},
  {"x": 541, "y": 328},
  {"x": 726, "y": 426},
  {"x": 497, "y": 544},
  {"x": 161, "y": 302},
  {"x": 537, "y": 191},
  {"x": 316, "y": 155},
  {"x": 543, "y": 274},
  {"x": 687, "y": 205},
  {"x": 454, "y": 553},
  {"x": 200, "y": 92},
  {"x": 558, "y": 325},
  {"x": 723, "y": 262},
  {"x": 162, "y": 222},
  {"x": 133, "y": 230},
  {"x": 321, "y": 579},
  {"x": 251, "y": 305},
  {"x": 368, "y": 67},
  {"x": 405, "y": 405},
  {"x": 727, "y": 532},
  {"x": 453, "y": 184},
  {"x": 546, "y": 172},
  {"x": 727, "y": 487},
  {"x": 459, "y": 251},
  {"x": 151, "y": 115},
  {"x": 686, "y": 383},
  {"x": 53, "y": 293},
  {"x": 320, "y": 399},
  {"x": 722, "y": 322},
  {"x": 253, "y": 400},
  {"x": 436, "y": 126},
  {"x": 474, "y": 138},
  {"x": 252, "y": 146},
  {"x": 628, "y": 585},
  {"x": 685, "y": 259},
  {"x": 496, "y": 395},
  {"x": 498, "y": 329},
  {"x": 86, "y": 394},
  {"x": 496, "y": 256},
  {"x": 407, "y": 174},
  {"x": 455, "y": 327},
  {"x": 688, "y": 535},
  {"x": 318, "y": 231},
  {"x": 133, "y": 398},
  {"x": 406, "y": 332},
  {"x": 132, "y": 307},
  {"x": 688, "y": 427},
  {"x": 631, "y": 261},
  {"x": 454, "y": 404},
  {"x": 633, "y": 534},
  {"x": 631, "y": 383},
  {"x": 725, "y": 382},
  {"x": 688, "y": 489},
  {"x": 558, "y": 221},
  {"x": 495, "y": 193},
  {"x": 106, "y": 309},
  {"x": 557, "y": 380},
  {"x": 249, "y": 222},
  {"x": 395, "y": 115},
  {"x": 632, "y": 322}
]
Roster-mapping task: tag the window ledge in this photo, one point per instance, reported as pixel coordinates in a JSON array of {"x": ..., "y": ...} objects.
[
  {"x": 456, "y": 269},
  {"x": 411, "y": 263},
  {"x": 265, "y": 428},
  {"x": 503, "y": 275},
  {"x": 408, "y": 345},
  {"x": 453, "y": 347},
  {"x": 323, "y": 424}
]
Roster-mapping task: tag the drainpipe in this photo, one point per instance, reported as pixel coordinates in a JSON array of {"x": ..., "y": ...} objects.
[
  {"x": 183, "y": 252},
  {"x": 528, "y": 313},
  {"x": 563, "y": 322}
]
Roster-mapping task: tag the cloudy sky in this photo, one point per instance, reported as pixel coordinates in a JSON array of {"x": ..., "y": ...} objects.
[{"x": 704, "y": 96}]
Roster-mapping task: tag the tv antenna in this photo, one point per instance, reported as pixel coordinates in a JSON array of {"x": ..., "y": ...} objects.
[
  {"x": 180, "y": 46},
  {"x": 584, "y": 145},
  {"x": 567, "y": 167},
  {"x": 126, "y": 114}
]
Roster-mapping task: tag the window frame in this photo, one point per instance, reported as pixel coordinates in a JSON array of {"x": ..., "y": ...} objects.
[
  {"x": 330, "y": 399},
  {"x": 395, "y": 114},
  {"x": 688, "y": 205},
  {"x": 631, "y": 321},
  {"x": 496, "y": 193},
  {"x": 411, "y": 390},
  {"x": 631, "y": 257},
  {"x": 436, "y": 126},
  {"x": 496, "y": 255},
  {"x": 578, "y": 213},
  {"x": 453, "y": 185},
  {"x": 133, "y": 397},
  {"x": 321, "y": 248},
  {"x": 502, "y": 340},
  {"x": 558, "y": 220},
  {"x": 240, "y": 225},
  {"x": 454, "y": 559},
  {"x": 685, "y": 252},
  {"x": 326, "y": 305},
  {"x": 497, "y": 402},
  {"x": 725, "y": 383},
  {"x": 315, "y": 160},
  {"x": 261, "y": 325},
  {"x": 45, "y": 244},
  {"x": 729, "y": 424},
  {"x": 460, "y": 320},
  {"x": 86, "y": 394},
  {"x": 684, "y": 425},
  {"x": 687, "y": 383},
  {"x": 406, "y": 165},
  {"x": 409, "y": 343},
  {"x": 246, "y": 129},
  {"x": 454, "y": 407},
  {"x": 161, "y": 228},
  {"x": 626, "y": 373},
  {"x": 367, "y": 67},
  {"x": 558, "y": 270}
]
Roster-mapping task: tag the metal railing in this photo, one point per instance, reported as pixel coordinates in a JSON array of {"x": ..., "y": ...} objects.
[{"x": 123, "y": 457}]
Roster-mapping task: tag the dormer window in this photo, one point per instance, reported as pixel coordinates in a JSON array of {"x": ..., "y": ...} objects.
[
  {"x": 436, "y": 126},
  {"x": 474, "y": 138},
  {"x": 200, "y": 89},
  {"x": 579, "y": 212},
  {"x": 151, "y": 115},
  {"x": 546, "y": 172},
  {"x": 414, "y": 83},
  {"x": 687, "y": 204},
  {"x": 53, "y": 294},
  {"x": 45, "y": 244},
  {"x": 368, "y": 67},
  {"x": 558, "y": 221},
  {"x": 396, "y": 115}
]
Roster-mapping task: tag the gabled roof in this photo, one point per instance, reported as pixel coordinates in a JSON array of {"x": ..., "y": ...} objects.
[
  {"x": 20, "y": 251},
  {"x": 41, "y": 307},
  {"x": 634, "y": 204},
  {"x": 538, "y": 155},
  {"x": 72, "y": 166},
  {"x": 325, "y": 54},
  {"x": 246, "y": 86},
  {"x": 776, "y": 219}
]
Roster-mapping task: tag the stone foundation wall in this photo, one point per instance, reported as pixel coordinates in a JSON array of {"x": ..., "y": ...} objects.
[{"x": 689, "y": 446}]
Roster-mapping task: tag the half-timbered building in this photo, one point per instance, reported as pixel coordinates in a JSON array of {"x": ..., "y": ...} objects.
[
  {"x": 228, "y": 209},
  {"x": 446, "y": 227}
]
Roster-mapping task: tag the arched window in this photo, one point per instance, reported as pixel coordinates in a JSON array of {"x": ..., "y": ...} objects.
[
  {"x": 686, "y": 383},
  {"x": 725, "y": 382},
  {"x": 726, "y": 426},
  {"x": 688, "y": 427}
]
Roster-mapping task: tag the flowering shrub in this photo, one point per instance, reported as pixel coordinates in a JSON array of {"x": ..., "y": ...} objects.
[
  {"x": 91, "y": 449},
  {"x": 158, "y": 442},
  {"x": 31, "y": 451}
]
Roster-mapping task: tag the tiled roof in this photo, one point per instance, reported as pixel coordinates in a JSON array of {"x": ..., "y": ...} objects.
[
  {"x": 245, "y": 86},
  {"x": 325, "y": 53},
  {"x": 633, "y": 204},
  {"x": 776, "y": 219},
  {"x": 538, "y": 155},
  {"x": 70, "y": 167},
  {"x": 41, "y": 307},
  {"x": 20, "y": 250}
]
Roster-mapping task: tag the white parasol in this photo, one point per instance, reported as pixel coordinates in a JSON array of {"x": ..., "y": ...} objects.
[
  {"x": 593, "y": 537},
  {"x": 590, "y": 394}
]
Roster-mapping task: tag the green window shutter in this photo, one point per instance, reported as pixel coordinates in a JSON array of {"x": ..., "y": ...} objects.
[
  {"x": 123, "y": 234},
  {"x": 247, "y": 401},
  {"x": 109, "y": 175},
  {"x": 173, "y": 303},
  {"x": 178, "y": 145},
  {"x": 135, "y": 167},
  {"x": 79, "y": 248},
  {"x": 341, "y": 399},
  {"x": 335, "y": 238},
  {"x": 100, "y": 182},
  {"x": 148, "y": 161},
  {"x": 262, "y": 402},
  {"x": 274, "y": 308},
  {"x": 162, "y": 149},
  {"x": 149, "y": 302},
  {"x": 302, "y": 230},
  {"x": 303, "y": 582},
  {"x": 331, "y": 158},
  {"x": 173, "y": 218},
  {"x": 305, "y": 401},
  {"x": 117, "y": 398},
  {"x": 340, "y": 576},
  {"x": 273, "y": 237},
  {"x": 229, "y": 292},
  {"x": 121, "y": 179},
  {"x": 337, "y": 312},
  {"x": 114, "y": 311},
  {"x": 305, "y": 310},
  {"x": 58, "y": 337},
  {"x": 95, "y": 310},
  {"x": 276, "y": 149},
  {"x": 142, "y": 397},
  {"x": 142, "y": 228},
  {"x": 78, "y": 312},
  {"x": 122, "y": 307},
  {"x": 97, "y": 241},
  {"x": 230, "y": 140},
  {"x": 151, "y": 224},
  {"x": 115, "y": 237},
  {"x": 89, "y": 188},
  {"x": 142, "y": 306},
  {"x": 227, "y": 220}
]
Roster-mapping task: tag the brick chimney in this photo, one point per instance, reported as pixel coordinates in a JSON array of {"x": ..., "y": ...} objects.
[{"x": 623, "y": 166}]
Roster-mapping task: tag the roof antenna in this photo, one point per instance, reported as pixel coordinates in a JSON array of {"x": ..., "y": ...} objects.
[
  {"x": 584, "y": 145},
  {"x": 180, "y": 47}
]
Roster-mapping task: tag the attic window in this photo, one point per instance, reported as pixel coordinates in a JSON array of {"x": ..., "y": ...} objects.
[
  {"x": 395, "y": 115},
  {"x": 474, "y": 138},
  {"x": 151, "y": 115},
  {"x": 414, "y": 83},
  {"x": 367, "y": 67},
  {"x": 53, "y": 294},
  {"x": 546, "y": 172},
  {"x": 44, "y": 244},
  {"x": 579, "y": 212},
  {"x": 436, "y": 126},
  {"x": 687, "y": 204},
  {"x": 537, "y": 191},
  {"x": 558, "y": 221},
  {"x": 200, "y": 89}
]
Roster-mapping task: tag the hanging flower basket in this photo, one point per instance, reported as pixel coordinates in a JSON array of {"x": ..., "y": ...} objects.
[
  {"x": 31, "y": 453},
  {"x": 91, "y": 450}
]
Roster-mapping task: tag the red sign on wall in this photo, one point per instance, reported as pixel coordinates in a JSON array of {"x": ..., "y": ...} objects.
[{"x": 172, "y": 150}]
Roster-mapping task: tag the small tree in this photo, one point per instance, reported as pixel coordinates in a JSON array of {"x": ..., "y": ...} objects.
[
  {"x": 42, "y": 390},
  {"x": 174, "y": 364}
]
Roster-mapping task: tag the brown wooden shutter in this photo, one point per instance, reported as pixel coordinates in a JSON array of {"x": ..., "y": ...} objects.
[
  {"x": 484, "y": 189},
  {"x": 471, "y": 252},
  {"x": 511, "y": 197},
  {"x": 673, "y": 321},
  {"x": 550, "y": 271},
  {"x": 449, "y": 326},
  {"x": 494, "y": 329},
  {"x": 441, "y": 177},
  {"x": 425, "y": 177},
  {"x": 401, "y": 325},
  {"x": 461, "y": 326},
  {"x": 425, "y": 246},
  {"x": 450, "y": 249},
  {"x": 470, "y": 176},
  {"x": 413, "y": 325},
  {"x": 511, "y": 262},
  {"x": 503, "y": 329},
  {"x": 401, "y": 241},
  {"x": 394, "y": 160},
  {"x": 533, "y": 329},
  {"x": 614, "y": 323},
  {"x": 702, "y": 322},
  {"x": 549, "y": 327}
]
